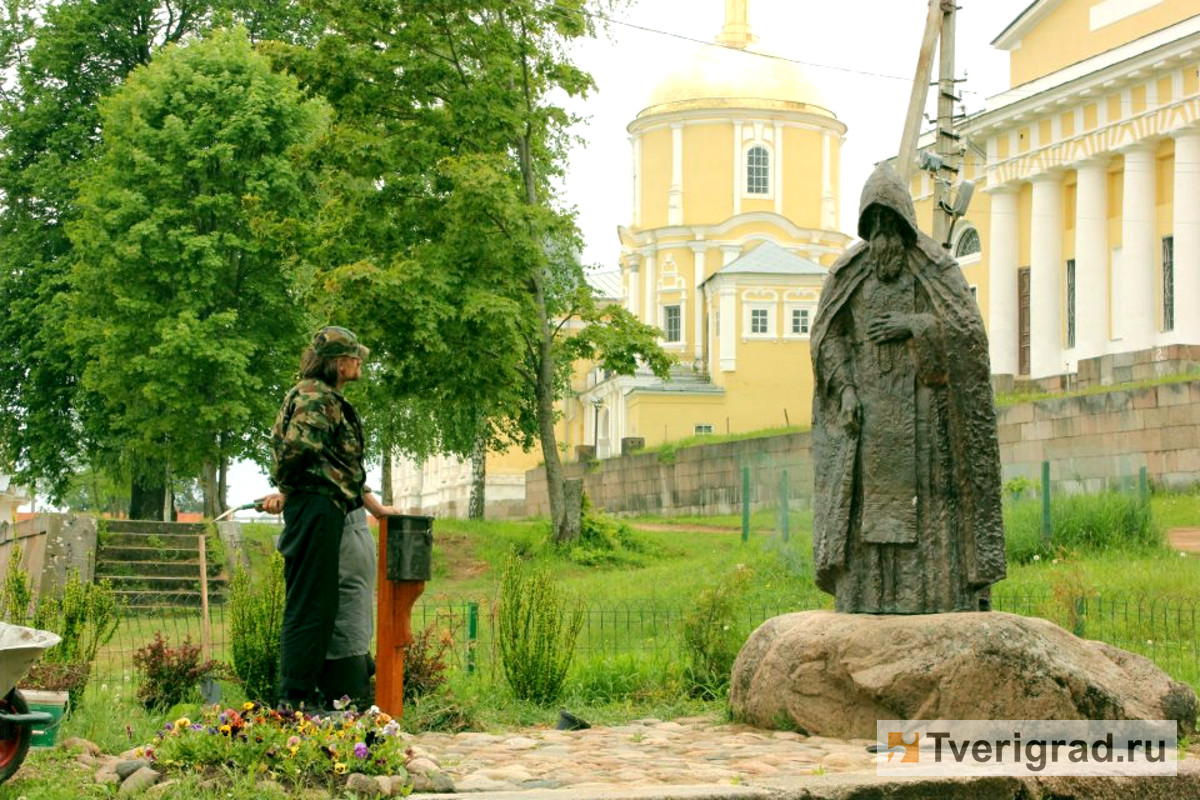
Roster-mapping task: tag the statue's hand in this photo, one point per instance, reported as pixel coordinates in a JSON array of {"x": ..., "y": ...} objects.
[
  {"x": 889, "y": 327},
  {"x": 850, "y": 414}
]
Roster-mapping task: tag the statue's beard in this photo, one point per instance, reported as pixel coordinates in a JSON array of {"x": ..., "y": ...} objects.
[{"x": 888, "y": 254}]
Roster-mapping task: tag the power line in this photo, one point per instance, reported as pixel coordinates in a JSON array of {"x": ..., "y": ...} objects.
[{"x": 693, "y": 40}]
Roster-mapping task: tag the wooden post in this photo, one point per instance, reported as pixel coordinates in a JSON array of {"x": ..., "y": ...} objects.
[
  {"x": 947, "y": 142},
  {"x": 205, "y": 627},
  {"x": 393, "y": 631},
  {"x": 907, "y": 158}
]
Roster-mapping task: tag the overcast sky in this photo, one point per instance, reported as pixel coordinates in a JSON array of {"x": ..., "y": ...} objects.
[{"x": 860, "y": 53}]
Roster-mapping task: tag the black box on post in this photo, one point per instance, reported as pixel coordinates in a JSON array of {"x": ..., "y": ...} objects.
[{"x": 409, "y": 547}]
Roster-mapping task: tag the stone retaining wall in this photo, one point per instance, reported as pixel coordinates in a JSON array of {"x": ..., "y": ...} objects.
[{"x": 1093, "y": 442}]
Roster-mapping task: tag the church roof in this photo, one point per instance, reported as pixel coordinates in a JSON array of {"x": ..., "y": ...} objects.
[
  {"x": 771, "y": 259},
  {"x": 734, "y": 74},
  {"x": 606, "y": 285}
]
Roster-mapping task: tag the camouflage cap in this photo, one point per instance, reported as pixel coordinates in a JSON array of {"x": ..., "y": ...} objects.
[{"x": 332, "y": 341}]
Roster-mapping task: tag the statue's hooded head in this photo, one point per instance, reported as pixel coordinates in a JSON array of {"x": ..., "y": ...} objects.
[{"x": 887, "y": 220}]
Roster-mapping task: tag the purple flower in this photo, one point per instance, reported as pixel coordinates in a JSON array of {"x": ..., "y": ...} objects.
[{"x": 361, "y": 751}]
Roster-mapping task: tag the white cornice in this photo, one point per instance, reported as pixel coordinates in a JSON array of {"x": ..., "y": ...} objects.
[
  {"x": 1114, "y": 65},
  {"x": 683, "y": 235},
  {"x": 1035, "y": 12},
  {"x": 791, "y": 119}
]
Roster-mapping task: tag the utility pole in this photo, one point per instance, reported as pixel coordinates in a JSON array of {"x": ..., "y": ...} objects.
[{"x": 947, "y": 146}]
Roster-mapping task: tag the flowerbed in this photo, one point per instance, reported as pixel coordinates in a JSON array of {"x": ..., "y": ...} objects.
[{"x": 288, "y": 746}]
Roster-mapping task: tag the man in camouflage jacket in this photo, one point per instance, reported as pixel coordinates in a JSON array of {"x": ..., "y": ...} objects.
[{"x": 317, "y": 442}]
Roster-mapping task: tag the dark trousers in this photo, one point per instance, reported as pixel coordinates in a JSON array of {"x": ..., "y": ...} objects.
[{"x": 310, "y": 543}]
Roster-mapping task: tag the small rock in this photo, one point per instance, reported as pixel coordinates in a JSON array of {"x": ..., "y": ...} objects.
[
  {"x": 91, "y": 748},
  {"x": 421, "y": 766},
  {"x": 362, "y": 785},
  {"x": 420, "y": 752},
  {"x": 126, "y": 768},
  {"x": 107, "y": 775},
  {"x": 520, "y": 743},
  {"x": 139, "y": 781},
  {"x": 432, "y": 783},
  {"x": 481, "y": 783},
  {"x": 164, "y": 789},
  {"x": 385, "y": 785},
  {"x": 87, "y": 759}
]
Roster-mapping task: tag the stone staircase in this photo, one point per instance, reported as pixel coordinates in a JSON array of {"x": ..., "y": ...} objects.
[{"x": 156, "y": 565}]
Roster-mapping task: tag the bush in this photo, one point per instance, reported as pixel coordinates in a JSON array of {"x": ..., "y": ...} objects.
[
  {"x": 711, "y": 637},
  {"x": 605, "y": 541},
  {"x": 425, "y": 661},
  {"x": 1108, "y": 521},
  {"x": 171, "y": 675},
  {"x": 255, "y": 623},
  {"x": 16, "y": 595},
  {"x": 538, "y": 627},
  {"x": 85, "y": 616}
]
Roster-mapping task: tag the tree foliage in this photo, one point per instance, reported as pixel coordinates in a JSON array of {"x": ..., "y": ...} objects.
[{"x": 185, "y": 311}]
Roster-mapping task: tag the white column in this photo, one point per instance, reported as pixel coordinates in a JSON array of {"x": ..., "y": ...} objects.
[
  {"x": 675, "y": 195},
  {"x": 634, "y": 287},
  {"x": 1186, "y": 230},
  {"x": 777, "y": 177},
  {"x": 651, "y": 301},
  {"x": 828, "y": 210},
  {"x": 1002, "y": 282},
  {"x": 729, "y": 323},
  {"x": 1045, "y": 277},
  {"x": 1091, "y": 259},
  {"x": 1139, "y": 261},
  {"x": 698, "y": 254},
  {"x": 636, "y": 141},
  {"x": 737, "y": 167}
]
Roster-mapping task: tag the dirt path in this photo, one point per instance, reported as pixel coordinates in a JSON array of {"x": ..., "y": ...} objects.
[{"x": 1184, "y": 539}]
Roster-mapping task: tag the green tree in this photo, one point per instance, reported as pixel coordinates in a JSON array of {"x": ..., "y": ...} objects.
[
  {"x": 60, "y": 57},
  {"x": 185, "y": 299},
  {"x": 440, "y": 180}
]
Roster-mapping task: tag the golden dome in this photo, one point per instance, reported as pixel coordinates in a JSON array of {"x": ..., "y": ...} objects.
[{"x": 718, "y": 77}]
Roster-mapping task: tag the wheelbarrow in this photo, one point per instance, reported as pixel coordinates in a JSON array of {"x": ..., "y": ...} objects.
[{"x": 19, "y": 649}]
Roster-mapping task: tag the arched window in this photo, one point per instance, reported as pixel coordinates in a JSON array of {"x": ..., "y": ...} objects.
[
  {"x": 758, "y": 170},
  {"x": 968, "y": 243}
]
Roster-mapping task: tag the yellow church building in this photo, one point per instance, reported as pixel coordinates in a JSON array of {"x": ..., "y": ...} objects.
[
  {"x": 1083, "y": 239},
  {"x": 735, "y": 174}
]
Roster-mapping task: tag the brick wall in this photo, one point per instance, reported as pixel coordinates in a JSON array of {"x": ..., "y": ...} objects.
[{"x": 1093, "y": 442}]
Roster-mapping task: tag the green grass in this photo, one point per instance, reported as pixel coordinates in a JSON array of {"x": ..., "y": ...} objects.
[{"x": 1017, "y": 398}]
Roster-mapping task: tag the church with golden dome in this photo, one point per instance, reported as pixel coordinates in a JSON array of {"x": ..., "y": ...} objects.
[{"x": 735, "y": 176}]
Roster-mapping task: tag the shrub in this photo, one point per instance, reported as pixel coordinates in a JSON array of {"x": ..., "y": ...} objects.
[
  {"x": 538, "y": 627},
  {"x": 16, "y": 595},
  {"x": 255, "y": 623},
  {"x": 425, "y": 661},
  {"x": 85, "y": 616},
  {"x": 605, "y": 541},
  {"x": 711, "y": 637},
  {"x": 170, "y": 675},
  {"x": 623, "y": 678}
]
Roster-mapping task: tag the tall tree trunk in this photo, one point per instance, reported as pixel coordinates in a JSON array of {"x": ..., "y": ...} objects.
[
  {"x": 210, "y": 486},
  {"x": 148, "y": 493},
  {"x": 479, "y": 471},
  {"x": 385, "y": 491},
  {"x": 223, "y": 486}
]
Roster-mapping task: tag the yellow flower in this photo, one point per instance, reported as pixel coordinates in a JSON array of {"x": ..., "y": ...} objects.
[
  {"x": 293, "y": 749},
  {"x": 247, "y": 706},
  {"x": 339, "y": 768},
  {"x": 182, "y": 723},
  {"x": 225, "y": 729}
]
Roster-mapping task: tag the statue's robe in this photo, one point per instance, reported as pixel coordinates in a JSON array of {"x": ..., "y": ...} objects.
[{"x": 907, "y": 513}]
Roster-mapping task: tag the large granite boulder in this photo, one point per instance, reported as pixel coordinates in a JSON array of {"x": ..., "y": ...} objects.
[{"x": 833, "y": 674}]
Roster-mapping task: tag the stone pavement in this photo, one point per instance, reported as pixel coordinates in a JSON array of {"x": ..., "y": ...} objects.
[{"x": 697, "y": 759}]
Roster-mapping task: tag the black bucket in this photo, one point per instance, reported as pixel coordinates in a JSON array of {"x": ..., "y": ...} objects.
[{"x": 409, "y": 548}]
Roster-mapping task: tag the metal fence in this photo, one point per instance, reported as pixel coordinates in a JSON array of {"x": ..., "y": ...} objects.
[{"x": 1164, "y": 629}]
